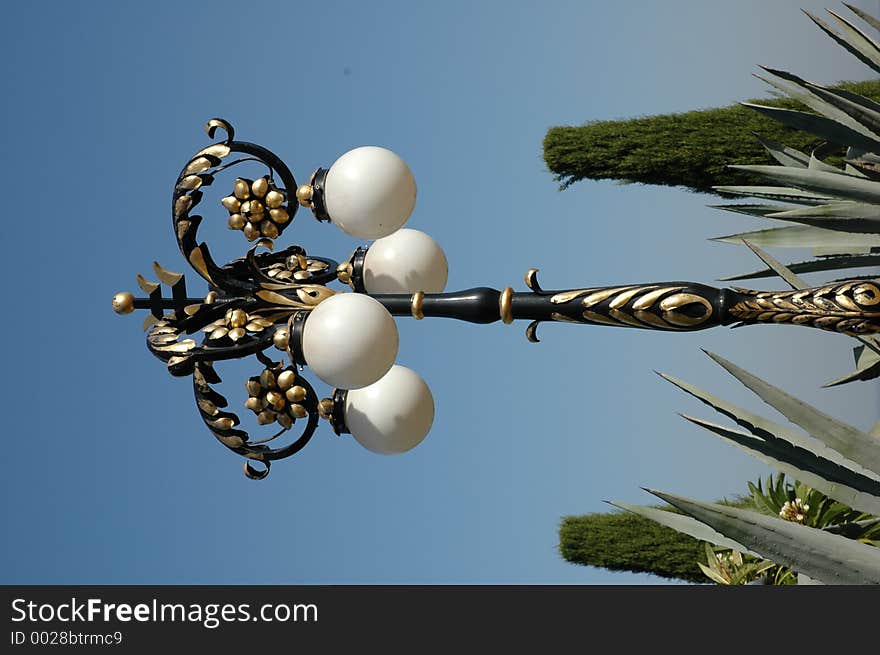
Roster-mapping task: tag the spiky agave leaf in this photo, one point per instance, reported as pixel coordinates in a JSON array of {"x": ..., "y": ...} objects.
[
  {"x": 862, "y": 114},
  {"x": 852, "y": 39},
  {"x": 855, "y": 115},
  {"x": 783, "y": 154},
  {"x": 807, "y": 236},
  {"x": 821, "y": 126},
  {"x": 868, "y": 18},
  {"x": 835, "y": 481},
  {"x": 789, "y": 273},
  {"x": 817, "y": 164},
  {"x": 847, "y": 216},
  {"x": 832, "y": 185},
  {"x": 794, "y": 447},
  {"x": 846, "y": 209},
  {"x": 867, "y": 367},
  {"x": 789, "y": 276},
  {"x": 823, "y": 556},
  {"x": 681, "y": 523},
  {"x": 758, "y": 210},
  {"x": 786, "y": 194},
  {"x": 850, "y": 442},
  {"x": 831, "y": 263}
]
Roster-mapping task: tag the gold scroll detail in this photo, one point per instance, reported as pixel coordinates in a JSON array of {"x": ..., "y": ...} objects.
[
  {"x": 147, "y": 286},
  {"x": 851, "y": 307},
  {"x": 309, "y": 296},
  {"x": 670, "y": 306},
  {"x": 650, "y": 306},
  {"x": 531, "y": 279},
  {"x": 165, "y": 337},
  {"x": 168, "y": 277},
  {"x": 565, "y": 296},
  {"x": 197, "y": 261},
  {"x": 647, "y": 306},
  {"x": 598, "y": 296}
]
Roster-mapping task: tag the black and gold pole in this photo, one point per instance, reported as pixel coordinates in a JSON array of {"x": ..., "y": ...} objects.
[
  {"x": 851, "y": 307},
  {"x": 260, "y": 303}
]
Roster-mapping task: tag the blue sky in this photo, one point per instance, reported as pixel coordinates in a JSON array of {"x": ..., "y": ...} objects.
[{"x": 111, "y": 478}]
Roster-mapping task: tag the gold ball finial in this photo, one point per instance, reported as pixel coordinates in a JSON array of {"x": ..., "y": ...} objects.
[
  {"x": 281, "y": 339},
  {"x": 123, "y": 303},
  {"x": 325, "y": 408},
  {"x": 343, "y": 272},
  {"x": 304, "y": 195}
]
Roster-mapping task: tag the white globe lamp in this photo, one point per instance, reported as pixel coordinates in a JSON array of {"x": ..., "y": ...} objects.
[
  {"x": 405, "y": 262},
  {"x": 349, "y": 340},
  {"x": 369, "y": 192},
  {"x": 393, "y": 415}
]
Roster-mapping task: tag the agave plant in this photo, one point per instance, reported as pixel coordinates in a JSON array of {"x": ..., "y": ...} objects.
[
  {"x": 828, "y": 457},
  {"x": 831, "y": 457},
  {"x": 794, "y": 502},
  {"x": 836, "y": 212}
]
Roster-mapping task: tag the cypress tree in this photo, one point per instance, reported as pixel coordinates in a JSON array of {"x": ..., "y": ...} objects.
[
  {"x": 623, "y": 541},
  {"x": 691, "y": 149}
]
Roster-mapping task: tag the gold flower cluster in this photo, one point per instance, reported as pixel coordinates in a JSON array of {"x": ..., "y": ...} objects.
[
  {"x": 274, "y": 396},
  {"x": 257, "y": 208}
]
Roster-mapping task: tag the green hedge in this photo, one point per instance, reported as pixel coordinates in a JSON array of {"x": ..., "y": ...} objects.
[
  {"x": 691, "y": 149},
  {"x": 623, "y": 541}
]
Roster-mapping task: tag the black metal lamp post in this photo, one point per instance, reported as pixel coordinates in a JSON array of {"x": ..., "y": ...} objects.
[{"x": 279, "y": 301}]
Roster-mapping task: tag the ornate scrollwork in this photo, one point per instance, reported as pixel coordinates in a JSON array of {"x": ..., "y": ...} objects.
[
  {"x": 662, "y": 307},
  {"x": 674, "y": 306},
  {"x": 257, "y": 207},
  {"x": 222, "y": 424},
  {"x": 248, "y": 307},
  {"x": 852, "y": 307}
]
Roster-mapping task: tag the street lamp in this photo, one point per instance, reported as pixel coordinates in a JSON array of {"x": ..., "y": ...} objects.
[{"x": 272, "y": 301}]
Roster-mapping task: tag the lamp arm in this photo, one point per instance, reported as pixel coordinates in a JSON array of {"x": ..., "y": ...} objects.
[{"x": 851, "y": 307}]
